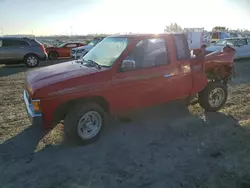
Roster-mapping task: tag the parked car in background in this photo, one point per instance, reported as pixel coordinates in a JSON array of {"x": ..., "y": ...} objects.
[
  {"x": 121, "y": 74},
  {"x": 219, "y": 35},
  {"x": 18, "y": 50},
  {"x": 76, "y": 53},
  {"x": 241, "y": 45},
  {"x": 197, "y": 37},
  {"x": 62, "y": 50},
  {"x": 235, "y": 35}
]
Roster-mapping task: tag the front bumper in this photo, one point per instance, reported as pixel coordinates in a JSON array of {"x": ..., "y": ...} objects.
[{"x": 35, "y": 118}]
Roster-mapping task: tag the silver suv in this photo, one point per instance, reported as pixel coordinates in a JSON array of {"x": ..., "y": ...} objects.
[{"x": 18, "y": 50}]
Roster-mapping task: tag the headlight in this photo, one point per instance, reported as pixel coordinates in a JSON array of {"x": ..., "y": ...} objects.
[
  {"x": 36, "y": 105},
  {"x": 30, "y": 89}
]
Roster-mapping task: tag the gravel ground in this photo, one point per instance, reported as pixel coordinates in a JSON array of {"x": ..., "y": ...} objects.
[{"x": 165, "y": 146}]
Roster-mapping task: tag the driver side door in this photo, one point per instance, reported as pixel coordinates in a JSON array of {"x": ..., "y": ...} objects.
[
  {"x": 242, "y": 49},
  {"x": 151, "y": 81}
]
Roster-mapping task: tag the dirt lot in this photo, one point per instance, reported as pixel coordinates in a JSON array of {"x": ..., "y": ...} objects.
[{"x": 166, "y": 146}]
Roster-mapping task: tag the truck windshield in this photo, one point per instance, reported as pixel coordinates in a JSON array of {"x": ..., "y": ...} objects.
[{"x": 106, "y": 52}]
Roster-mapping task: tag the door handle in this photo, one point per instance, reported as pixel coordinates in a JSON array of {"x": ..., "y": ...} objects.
[{"x": 167, "y": 75}]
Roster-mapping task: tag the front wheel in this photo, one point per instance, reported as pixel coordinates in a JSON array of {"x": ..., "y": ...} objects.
[
  {"x": 84, "y": 123},
  {"x": 213, "y": 96},
  {"x": 31, "y": 60}
]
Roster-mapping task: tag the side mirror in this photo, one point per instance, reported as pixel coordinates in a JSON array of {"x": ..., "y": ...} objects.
[{"x": 127, "y": 65}]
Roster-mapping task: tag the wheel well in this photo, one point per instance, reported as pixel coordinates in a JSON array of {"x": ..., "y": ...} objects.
[
  {"x": 30, "y": 54},
  {"x": 53, "y": 51},
  {"x": 63, "y": 109},
  {"x": 222, "y": 73}
]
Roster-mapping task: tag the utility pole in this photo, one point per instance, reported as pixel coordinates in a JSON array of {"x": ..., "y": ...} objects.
[
  {"x": 71, "y": 29},
  {"x": 1, "y": 31}
]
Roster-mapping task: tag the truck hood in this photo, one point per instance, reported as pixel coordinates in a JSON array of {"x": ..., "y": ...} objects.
[{"x": 49, "y": 75}]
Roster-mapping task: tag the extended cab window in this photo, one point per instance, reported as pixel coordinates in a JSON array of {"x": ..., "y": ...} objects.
[
  {"x": 1, "y": 43},
  {"x": 182, "y": 50},
  {"x": 149, "y": 53}
]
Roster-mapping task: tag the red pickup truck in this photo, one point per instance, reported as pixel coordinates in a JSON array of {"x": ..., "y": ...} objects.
[{"x": 121, "y": 74}]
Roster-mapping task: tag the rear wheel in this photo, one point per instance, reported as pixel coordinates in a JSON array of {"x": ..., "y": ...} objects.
[
  {"x": 213, "y": 97},
  {"x": 53, "y": 55},
  {"x": 31, "y": 60},
  {"x": 84, "y": 123}
]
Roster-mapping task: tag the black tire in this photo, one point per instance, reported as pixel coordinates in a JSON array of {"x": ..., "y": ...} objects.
[
  {"x": 71, "y": 133},
  {"x": 204, "y": 100},
  {"x": 53, "y": 55},
  {"x": 31, "y": 60}
]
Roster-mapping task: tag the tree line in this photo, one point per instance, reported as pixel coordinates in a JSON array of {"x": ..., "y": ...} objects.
[{"x": 174, "y": 27}]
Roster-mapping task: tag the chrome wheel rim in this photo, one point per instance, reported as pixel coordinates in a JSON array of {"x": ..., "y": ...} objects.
[
  {"x": 31, "y": 61},
  {"x": 89, "y": 125},
  {"x": 216, "y": 97}
]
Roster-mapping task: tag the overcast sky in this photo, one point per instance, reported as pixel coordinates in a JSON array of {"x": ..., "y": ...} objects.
[{"x": 45, "y": 17}]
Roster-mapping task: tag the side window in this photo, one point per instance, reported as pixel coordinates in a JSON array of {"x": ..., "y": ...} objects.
[
  {"x": 71, "y": 45},
  {"x": 182, "y": 50},
  {"x": 23, "y": 43},
  {"x": 1, "y": 43},
  {"x": 242, "y": 42},
  {"x": 12, "y": 42},
  {"x": 149, "y": 53},
  {"x": 233, "y": 35},
  {"x": 7, "y": 43}
]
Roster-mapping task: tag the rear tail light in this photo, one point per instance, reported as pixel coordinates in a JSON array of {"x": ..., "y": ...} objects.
[{"x": 43, "y": 48}]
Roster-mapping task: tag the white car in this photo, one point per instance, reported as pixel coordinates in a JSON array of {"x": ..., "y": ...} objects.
[
  {"x": 78, "y": 52},
  {"x": 241, "y": 45}
]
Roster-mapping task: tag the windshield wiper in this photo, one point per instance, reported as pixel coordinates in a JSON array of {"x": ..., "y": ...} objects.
[{"x": 94, "y": 63}]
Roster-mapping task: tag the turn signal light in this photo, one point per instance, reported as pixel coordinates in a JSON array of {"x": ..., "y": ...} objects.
[{"x": 36, "y": 105}]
